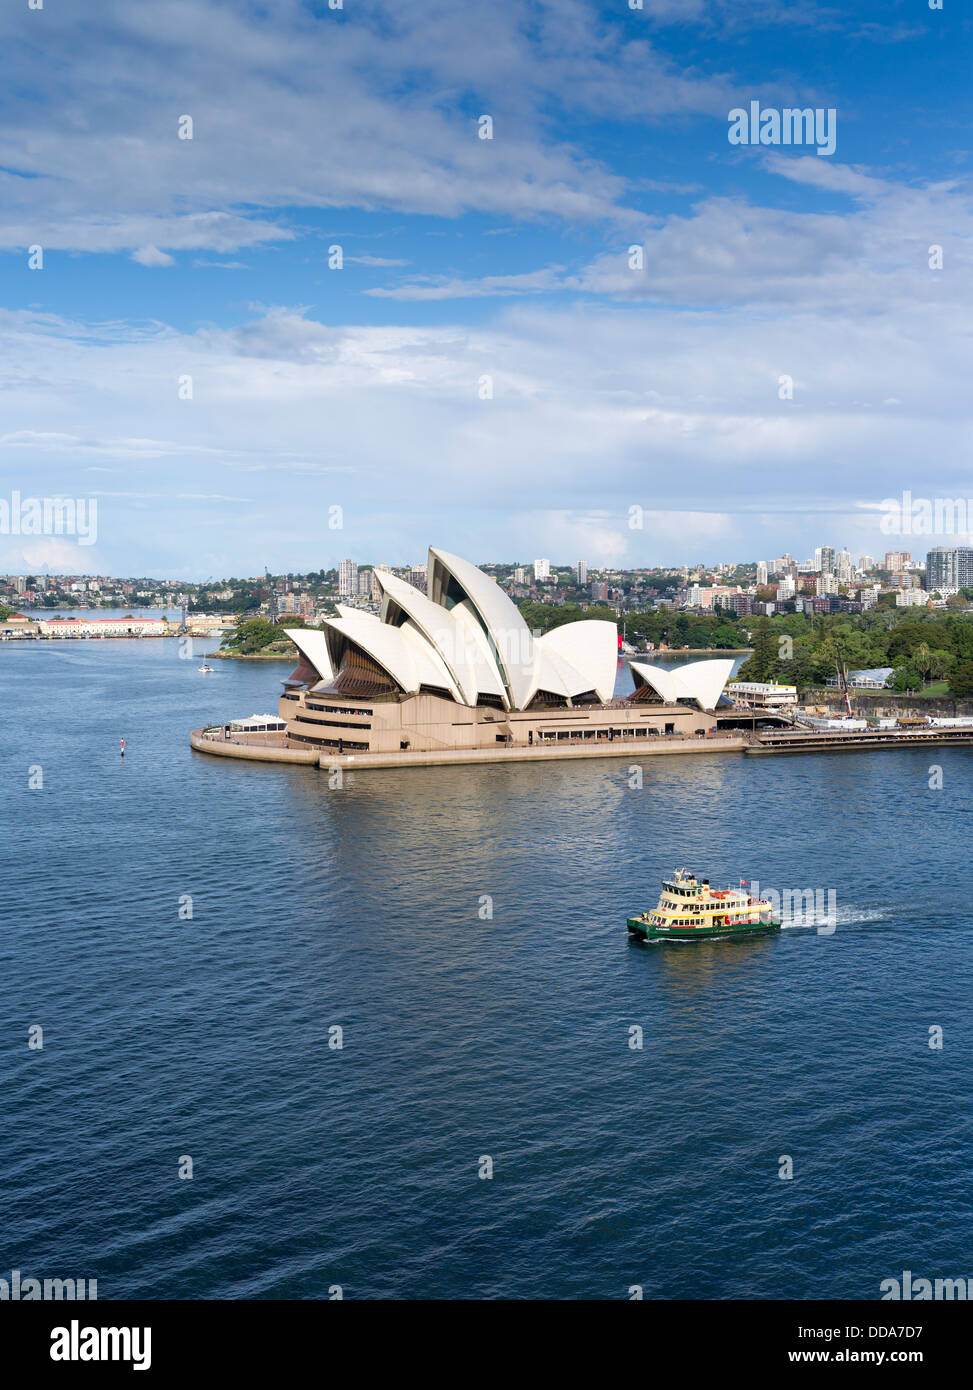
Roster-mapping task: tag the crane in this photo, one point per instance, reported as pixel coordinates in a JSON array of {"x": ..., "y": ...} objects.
[{"x": 839, "y": 666}]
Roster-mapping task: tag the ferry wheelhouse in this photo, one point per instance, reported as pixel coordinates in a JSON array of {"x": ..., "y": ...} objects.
[{"x": 690, "y": 910}]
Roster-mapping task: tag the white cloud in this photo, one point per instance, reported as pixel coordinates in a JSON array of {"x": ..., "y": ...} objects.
[
  {"x": 99, "y": 166},
  {"x": 486, "y": 287},
  {"x": 594, "y": 410},
  {"x": 378, "y": 261},
  {"x": 53, "y": 553},
  {"x": 152, "y": 256},
  {"x": 592, "y": 536}
]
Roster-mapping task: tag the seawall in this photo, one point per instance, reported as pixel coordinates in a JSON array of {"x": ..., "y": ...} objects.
[
  {"x": 252, "y": 752},
  {"x": 730, "y": 743}
]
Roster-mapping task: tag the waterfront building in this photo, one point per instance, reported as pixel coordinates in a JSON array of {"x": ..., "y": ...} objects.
[
  {"x": 103, "y": 627},
  {"x": 207, "y": 624},
  {"x": 763, "y": 694},
  {"x": 458, "y": 668},
  {"x": 18, "y": 625},
  {"x": 949, "y": 568}
]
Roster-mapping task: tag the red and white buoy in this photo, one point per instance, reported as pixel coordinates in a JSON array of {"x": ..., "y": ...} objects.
[{"x": 123, "y": 748}]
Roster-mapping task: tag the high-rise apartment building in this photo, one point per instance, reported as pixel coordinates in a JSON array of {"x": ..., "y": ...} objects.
[
  {"x": 347, "y": 579},
  {"x": 949, "y": 568},
  {"x": 542, "y": 569},
  {"x": 582, "y": 572},
  {"x": 824, "y": 559}
]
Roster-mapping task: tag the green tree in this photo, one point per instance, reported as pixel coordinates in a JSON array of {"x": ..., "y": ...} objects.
[
  {"x": 906, "y": 678},
  {"x": 961, "y": 681},
  {"x": 254, "y": 634},
  {"x": 940, "y": 663},
  {"x": 762, "y": 664}
]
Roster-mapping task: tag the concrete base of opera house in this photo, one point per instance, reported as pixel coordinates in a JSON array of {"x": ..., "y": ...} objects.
[{"x": 272, "y": 748}]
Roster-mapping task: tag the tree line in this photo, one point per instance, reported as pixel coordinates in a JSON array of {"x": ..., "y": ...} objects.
[{"x": 800, "y": 649}]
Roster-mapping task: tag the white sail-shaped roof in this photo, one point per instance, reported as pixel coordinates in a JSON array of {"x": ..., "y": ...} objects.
[
  {"x": 661, "y": 681},
  {"x": 403, "y": 652},
  {"x": 461, "y": 646},
  {"x": 313, "y": 644},
  {"x": 700, "y": 681},
  {"x": 473, "y": 640},
  {"x": 590, "y": 647},
  {"x": 466, "y": 637},
  {"x": 509, "y": 636}
]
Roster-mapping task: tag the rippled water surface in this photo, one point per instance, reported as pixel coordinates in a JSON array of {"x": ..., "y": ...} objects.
[{"x": 464, "y": 1037}]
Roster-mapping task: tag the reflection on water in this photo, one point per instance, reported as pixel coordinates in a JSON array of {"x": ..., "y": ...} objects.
[{"x": 464, "y": 1033}]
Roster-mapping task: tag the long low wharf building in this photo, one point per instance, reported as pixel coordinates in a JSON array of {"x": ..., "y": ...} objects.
[
  {"x": 857, "y": 738},
  {"x": 103, "y": 627}
]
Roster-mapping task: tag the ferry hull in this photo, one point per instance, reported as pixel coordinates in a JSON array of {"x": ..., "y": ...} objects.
[{"x": 649, "y": 931}]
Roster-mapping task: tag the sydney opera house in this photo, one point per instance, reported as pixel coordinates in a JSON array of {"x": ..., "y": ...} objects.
[{"x": 457, "y": 668}]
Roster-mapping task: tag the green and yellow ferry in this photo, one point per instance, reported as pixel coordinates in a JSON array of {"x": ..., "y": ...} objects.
[{"x": 689, "y": 910}]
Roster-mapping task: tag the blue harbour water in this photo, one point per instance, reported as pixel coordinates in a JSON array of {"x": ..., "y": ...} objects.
[{"x": 358, "y": 907}]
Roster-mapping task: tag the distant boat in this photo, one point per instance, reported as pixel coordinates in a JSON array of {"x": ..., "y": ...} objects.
[{"x": 205, "y": 667}]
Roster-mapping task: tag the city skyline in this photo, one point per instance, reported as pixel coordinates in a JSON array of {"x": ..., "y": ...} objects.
[{"x": 945, "y": 569}]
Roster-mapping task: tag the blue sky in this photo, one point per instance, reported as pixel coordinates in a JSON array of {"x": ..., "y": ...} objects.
[{"x": 466, "y": 259}]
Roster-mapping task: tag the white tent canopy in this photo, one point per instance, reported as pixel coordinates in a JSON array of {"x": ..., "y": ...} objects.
[{"x": 258, "y": 722}]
